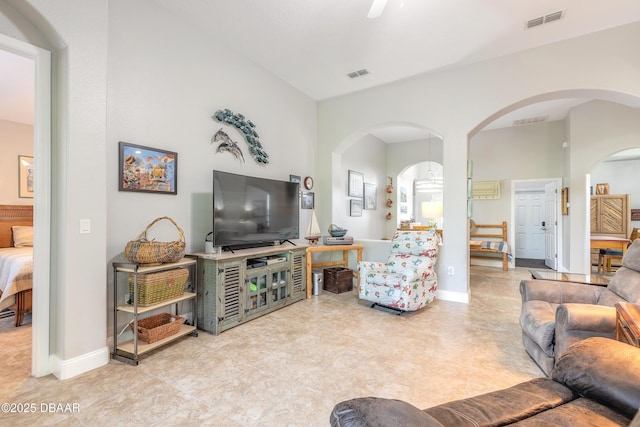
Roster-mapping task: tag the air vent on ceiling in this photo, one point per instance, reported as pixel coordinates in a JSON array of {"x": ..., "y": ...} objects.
[
  {"x": 555, "y": 16},
  {"x": 530, "y": 120},
  {"x": 358, "y": 73}
]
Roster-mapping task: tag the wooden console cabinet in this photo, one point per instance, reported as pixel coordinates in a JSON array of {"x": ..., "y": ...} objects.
[{"x": 240, "y": 286}]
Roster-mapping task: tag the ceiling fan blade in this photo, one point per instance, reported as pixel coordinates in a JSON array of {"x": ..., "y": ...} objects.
[{"x": 376, "y": 8}]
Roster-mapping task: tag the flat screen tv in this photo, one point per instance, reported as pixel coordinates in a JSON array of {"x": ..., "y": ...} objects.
[{"x": 250, "y": 211}]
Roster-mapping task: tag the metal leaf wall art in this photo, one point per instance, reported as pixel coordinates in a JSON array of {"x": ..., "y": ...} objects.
[{"x": 246, "y": 128}]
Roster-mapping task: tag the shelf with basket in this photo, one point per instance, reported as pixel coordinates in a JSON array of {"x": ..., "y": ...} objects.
[{"x": 152, "y": 288}]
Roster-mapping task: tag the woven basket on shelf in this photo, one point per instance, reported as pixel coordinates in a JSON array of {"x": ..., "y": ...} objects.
[
  {"x": 157, "y": 287},
  {"x": 143, "y": 251},
  {"x": 155, "y": 328}
]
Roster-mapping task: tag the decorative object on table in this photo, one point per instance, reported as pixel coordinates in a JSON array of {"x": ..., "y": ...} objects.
[
  {"x": 248, "y": 131},
  {"x": 602, "y": 189},
  {"x": 355, "y": 207},
  {"x": 308, "y": 183},
  {"x": 26, "y": 171},
  {"x": 356, "y": 184},
  {"x": 370, "y": 196},
  {"x": 155, "y": 328},
  {"x": 336, "y": 231},
  {"x": 307, "y": 200},
  {"x": 432, "y": 210},
  {"x": 313, "y": 231},
  {"x": 143, "y": 251},
  {"x": 147, "y": 169},
  {"x": 157, "y": 287}
]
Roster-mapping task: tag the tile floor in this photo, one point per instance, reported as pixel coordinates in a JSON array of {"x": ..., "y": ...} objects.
[{"x": 290, "y": 367}]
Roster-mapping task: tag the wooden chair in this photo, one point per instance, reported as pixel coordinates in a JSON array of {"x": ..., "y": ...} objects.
[{"x": 607, "y": 255}]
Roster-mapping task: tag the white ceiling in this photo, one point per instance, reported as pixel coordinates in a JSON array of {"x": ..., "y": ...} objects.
[{"x": 314, "y": 44}]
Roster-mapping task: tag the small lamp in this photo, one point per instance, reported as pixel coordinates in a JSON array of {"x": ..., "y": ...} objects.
[{"x": 432, "y": 210}]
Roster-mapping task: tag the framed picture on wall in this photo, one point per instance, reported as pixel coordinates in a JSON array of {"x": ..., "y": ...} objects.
[
  {"x": 146, "y": 169},
  {"x": 355, "y": 208},
  {"x": 370, "y": 196},
  {"x": 307, "y": 200},
  {"x": 356, "y": 184},
  {"x": 26, "y": 171}
]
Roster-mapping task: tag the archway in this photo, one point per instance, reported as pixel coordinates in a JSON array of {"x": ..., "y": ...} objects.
[
  {"x": 615, "y": 196},
  {"x": 570, "y": 157},
  {"x": 380, "y": 153}
]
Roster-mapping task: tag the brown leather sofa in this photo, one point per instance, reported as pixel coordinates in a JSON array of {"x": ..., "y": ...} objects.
[
  {"x": 595, "y": 382},
  {"x": 557, "y": 314}
]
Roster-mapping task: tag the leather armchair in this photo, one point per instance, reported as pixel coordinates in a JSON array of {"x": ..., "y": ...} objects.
[
  {"x": 407, "y": 281},
  {"x": 557, "y": 314}
]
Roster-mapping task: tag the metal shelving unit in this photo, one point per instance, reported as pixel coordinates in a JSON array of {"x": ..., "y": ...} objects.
[{"x": 131, "y": 350}]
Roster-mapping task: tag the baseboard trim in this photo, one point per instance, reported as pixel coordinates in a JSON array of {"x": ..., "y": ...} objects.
[
  {"x": 462, "y": 297},
  {"x": 65, "y": 369}
]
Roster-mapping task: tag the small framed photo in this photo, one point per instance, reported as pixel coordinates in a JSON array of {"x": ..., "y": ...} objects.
[
  {"x": 370, "y": 196},
  {"x": 294, "y": 178},
  {"x": 26, "y": 171},
  {"x": 356, "y": 184},
  {"x": 355, "y": 207},
  {"x": 307, "y": 200},
  {"x": 602, "y": 189},
  {"x": 146, "y": 169}
]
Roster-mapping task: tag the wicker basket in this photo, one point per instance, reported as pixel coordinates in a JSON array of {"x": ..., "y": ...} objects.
[
  {"x": 157, "y": 287},
  {"x": 157, "y": 327}
]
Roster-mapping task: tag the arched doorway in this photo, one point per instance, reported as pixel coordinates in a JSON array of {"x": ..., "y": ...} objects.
[
  {"x": 566, "y": 151},
  {"x": 380, "y": 153}
]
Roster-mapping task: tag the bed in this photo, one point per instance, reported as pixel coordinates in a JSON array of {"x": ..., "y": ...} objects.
[
  {"x": 489, "y": 241},
  {"x": 16, "y": 263}
]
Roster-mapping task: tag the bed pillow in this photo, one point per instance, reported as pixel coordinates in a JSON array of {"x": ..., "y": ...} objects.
[{"x": 22, "y": 236}]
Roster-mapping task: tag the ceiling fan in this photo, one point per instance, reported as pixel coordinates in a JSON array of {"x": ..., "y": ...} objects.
[{"x": 376, "y": 8}]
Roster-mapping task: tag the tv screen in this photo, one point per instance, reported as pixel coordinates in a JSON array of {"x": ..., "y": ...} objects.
[{"x": 250, "y": 211}]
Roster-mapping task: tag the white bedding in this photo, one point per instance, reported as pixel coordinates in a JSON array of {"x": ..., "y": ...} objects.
[{"x": 16, "y": 273}]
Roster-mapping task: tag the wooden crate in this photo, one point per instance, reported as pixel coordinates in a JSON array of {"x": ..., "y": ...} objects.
[{"x": 338, "y": 280}]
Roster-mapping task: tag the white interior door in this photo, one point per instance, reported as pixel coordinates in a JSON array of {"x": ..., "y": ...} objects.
[
  {"x": 551, "y": 226},
  {"x": 530, "y": 233}
]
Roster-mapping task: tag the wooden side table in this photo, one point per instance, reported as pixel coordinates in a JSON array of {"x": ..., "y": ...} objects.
[
  {"x": 344, "y": 262},
  {"x": 628, "y": 323}
]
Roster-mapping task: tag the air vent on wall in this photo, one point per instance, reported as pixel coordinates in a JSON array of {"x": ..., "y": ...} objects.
[
  {"x": 358, "y": 73},
  {"x": 530, "y": 120},
  {"x": 485, "y": 189},
  {"x": 555, "y": 16}
]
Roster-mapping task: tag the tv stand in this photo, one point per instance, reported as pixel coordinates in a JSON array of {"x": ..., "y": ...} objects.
[{"x": 236, "y": 287}]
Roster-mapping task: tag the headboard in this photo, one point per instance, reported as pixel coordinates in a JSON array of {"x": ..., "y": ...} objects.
[{"x": 11, "y": 215}]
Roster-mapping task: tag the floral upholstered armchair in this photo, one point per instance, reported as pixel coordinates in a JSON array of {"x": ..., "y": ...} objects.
[{"x": 407, "y": 281}]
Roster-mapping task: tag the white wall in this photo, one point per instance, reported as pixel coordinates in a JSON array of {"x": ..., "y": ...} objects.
[
  {"x": 367, "y": 155},
  {"x": 531, "y": 151},
  {"x": 16, "y": 139},
  {"x": 457, "y": 103},
  {"x": 165, "y": 83}
]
